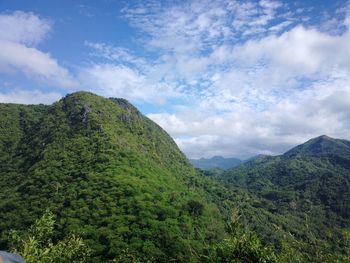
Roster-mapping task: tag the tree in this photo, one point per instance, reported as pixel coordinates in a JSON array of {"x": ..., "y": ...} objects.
[
  {"x": 242, "y": 246},
  {"x": 36, "y": 245}
]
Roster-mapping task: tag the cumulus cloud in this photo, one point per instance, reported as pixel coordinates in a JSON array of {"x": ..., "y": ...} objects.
[
  {"x": 192, "y": 26},
  {"x": 116, "y": 80},
  {"x": 247, "y": 77},
  {"x": 279, "y": 85},
  {"x": 20, "y": 32},
  {"x": 29, "y": 97},
  {"x": 322, "y": 109},
  {"x": 24, "y": 28},
  {"x": 300, "y": 50},
  {"x": 235, "y": 78},
  {"x": 34, "y": 64},
  {"x": 192, "y": 42}
]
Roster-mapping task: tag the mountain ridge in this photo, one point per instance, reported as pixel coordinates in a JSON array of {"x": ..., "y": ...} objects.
[
  {"x": 309, "y": 186},
  {"x": 119, "y": 180},
  {"x": 320, "y": 146},
  {"x": 108, "y": 173}
]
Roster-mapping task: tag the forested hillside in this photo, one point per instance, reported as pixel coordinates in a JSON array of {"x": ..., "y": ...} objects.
[
  {"x": 117, "y": 187},
  {"x": 307, "y": 193},
  {"x": 109, "y": 174}
]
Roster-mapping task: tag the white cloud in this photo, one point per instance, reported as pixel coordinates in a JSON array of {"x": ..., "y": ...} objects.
[
  {"x": 121, "y": 81},
  {"x": 19, "y": 33},
  {"x": 33, "y": 63},
  {"x": 24, "y": 28},
  {"x": 29, "y": 97},
  {"x": 300, "y": 50},
  {"x": 322, "y": 109},
  {"x": 253, "y": 78},
  {"x": 194, "y": 26},
  {"x": 248, "y": 77},
  {"x": 280, "y": 27},
  {"x": 196, "y": 37},
  {"x": 115, "y": 54}
]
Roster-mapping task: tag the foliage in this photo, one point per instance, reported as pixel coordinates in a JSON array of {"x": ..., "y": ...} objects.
[
  {"x": 116, "y": 179},
  {"x": 303, "y": 197},
  {"x": 110, "y": 175},
  {"x": 242, "y": 246},
  {"x": 36, "y": 245}
]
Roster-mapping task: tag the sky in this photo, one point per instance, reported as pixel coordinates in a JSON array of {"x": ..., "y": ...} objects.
[{"x": 222, "y": 77}]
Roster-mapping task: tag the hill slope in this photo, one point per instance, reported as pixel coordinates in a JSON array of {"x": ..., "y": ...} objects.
[
  {"x": 307, "y": 193},
  {"x": 109, "y": 173},
  {"x": 117, "y": 179}
]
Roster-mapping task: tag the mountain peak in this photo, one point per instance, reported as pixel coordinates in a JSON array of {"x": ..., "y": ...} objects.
[
  {"x": 87, "y": 99},
  {"x": 325, "y": 137},
  {"x": 80, "y": 95},
  {"x": 112, "y": 163},
  {"x": 320, "y": 146}
]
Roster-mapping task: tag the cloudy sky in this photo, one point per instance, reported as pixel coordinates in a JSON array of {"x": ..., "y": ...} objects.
[{"x": 223, "y": 77}]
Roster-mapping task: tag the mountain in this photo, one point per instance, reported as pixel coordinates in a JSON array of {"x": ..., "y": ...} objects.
[
  {"x": 215, "y": 162},
  {"x": 110, "y": 175},
  {"x": 308, "y": 189},
  {"x": 118, "y": 180},
  {"x": 336, "y": 151}
]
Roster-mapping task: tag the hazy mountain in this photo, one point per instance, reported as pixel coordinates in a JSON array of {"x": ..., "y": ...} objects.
[{"x": 215, "y": 162}]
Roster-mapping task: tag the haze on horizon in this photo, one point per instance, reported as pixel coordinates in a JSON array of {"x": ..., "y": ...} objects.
[{"x": 228, "y": 78}]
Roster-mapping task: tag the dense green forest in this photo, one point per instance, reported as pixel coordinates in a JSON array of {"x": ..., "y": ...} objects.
[
  {"x": 107, "y": 173},
  {"x": 306, "y": 195},
  {"x": 116, "y": 188}
]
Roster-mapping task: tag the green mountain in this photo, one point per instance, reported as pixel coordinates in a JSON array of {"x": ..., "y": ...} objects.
[
  {"x": 109, "y": 174},
  {"x": 335, "y": 151},
  {"x": 215, "y": 162},
  {"x": 118, "y": 180},
  {"x": 307, "y": 192}
]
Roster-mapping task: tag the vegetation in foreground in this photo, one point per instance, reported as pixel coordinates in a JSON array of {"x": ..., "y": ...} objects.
[{"x": 38, "y": 245}]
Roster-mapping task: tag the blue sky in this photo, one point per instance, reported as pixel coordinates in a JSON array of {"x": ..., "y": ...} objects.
[{"x": 231, "y": 78}]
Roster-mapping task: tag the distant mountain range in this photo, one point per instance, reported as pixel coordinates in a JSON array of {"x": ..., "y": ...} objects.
[{"x": 215, "y": 162}]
